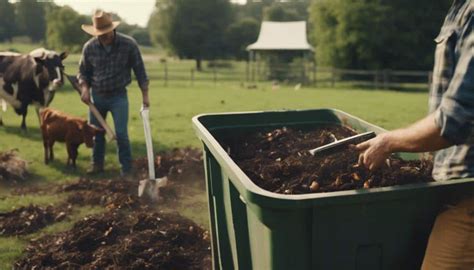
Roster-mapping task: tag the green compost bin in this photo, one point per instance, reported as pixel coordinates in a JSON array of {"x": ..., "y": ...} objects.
[{"x": 251, "y": 228}]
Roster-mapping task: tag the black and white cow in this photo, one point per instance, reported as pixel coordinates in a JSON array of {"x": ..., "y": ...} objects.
[{"x": 29, "y": 79}]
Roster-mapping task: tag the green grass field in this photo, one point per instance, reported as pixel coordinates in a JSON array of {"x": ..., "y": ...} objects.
[{"x": 172, "y": 108}]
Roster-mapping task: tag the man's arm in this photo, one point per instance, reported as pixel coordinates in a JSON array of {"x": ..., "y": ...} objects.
[
  {"x": 140, "y": 73},
  {"x": 85, "y": 77},
  {"x": 423, "y": 136},
  {"x": 452, "y": 122}
]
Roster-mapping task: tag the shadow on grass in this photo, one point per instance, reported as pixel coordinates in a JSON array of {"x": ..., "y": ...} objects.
[{"x": 32, "y": 133}]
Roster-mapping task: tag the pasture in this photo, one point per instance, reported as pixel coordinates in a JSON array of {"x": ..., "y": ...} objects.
[{"x": 172, "y": 108}]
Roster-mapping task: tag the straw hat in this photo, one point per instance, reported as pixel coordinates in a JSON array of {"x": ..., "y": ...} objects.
[{"x": 101, "y": 24}]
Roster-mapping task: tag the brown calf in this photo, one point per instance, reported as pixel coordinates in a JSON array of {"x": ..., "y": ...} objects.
[{"x": 58, "y": 126}]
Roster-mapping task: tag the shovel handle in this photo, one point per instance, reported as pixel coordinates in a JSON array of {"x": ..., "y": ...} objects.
[
  {"x": 98, "y": 116},
  {"x": 145, "y": 114},
  {"x": 338, "y": 145}
]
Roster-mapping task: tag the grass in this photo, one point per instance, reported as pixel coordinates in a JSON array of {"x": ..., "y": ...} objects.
[{"x": 171, "y": 112}]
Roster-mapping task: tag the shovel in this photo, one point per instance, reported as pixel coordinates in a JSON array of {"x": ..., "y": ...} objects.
[
  {"x": 150, "y": 188},
  {"x": 341, "y": 144}
]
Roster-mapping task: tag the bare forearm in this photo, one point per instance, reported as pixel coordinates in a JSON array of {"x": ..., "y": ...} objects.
[
  {"x": 146, "y": 98},
  {"x": 423, "y": 136}
]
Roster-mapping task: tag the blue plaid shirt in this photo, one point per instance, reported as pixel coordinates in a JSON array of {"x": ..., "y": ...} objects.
[
  {"x": 452, "y": 93},
  {"x": 109, "y": 72}
]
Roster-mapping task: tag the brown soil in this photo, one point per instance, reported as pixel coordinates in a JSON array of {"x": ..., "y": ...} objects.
[
  {"x": 12, "y": 168},
  {"x": 120, "y": 240},
  {"x": 108, "y": 193},
  {"x": 26, "y": 220},
  {"x": 279, "y": 161},
  {"x": 131, "y": 234},
  {"x": 179, "y": 165}
]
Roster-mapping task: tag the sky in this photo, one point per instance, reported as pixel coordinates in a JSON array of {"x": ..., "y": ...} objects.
[{"x": 132, "y": 11}]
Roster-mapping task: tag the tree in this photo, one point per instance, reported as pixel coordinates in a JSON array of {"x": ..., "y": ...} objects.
[
  {"x": 64, "y": 31},
  {"x": 7, "y": 20},
  {"x": 286, "y": 11},
  {"x": 241, "y": 34},
  {"x": 194, "y": 28},
  {"x": 374, "y": 34},
  {"x": 141, "y": 35},
  {"x": 30, "y": 19}
]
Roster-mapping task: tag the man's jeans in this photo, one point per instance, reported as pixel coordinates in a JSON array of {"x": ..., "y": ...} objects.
[{"x": 118, "y": 107}]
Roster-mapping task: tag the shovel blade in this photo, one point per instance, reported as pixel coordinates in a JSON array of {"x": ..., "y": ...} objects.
[{"x": 150, "y": 188}]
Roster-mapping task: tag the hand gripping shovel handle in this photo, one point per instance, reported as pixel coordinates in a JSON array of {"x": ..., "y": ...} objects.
[
  {"x": 110, "y": 133},
  {"x": 145, "y": 114}
]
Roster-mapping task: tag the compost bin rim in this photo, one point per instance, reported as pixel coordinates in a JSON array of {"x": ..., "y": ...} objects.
[{"x": 252, "y": 193}]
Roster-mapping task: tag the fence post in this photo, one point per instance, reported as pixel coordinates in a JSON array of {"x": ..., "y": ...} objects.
[
  {"x": 192, "y": 76},
  {"x": 333, "y": 77},
  {"x": 303, "y": 75},
  {"x": 386, "y": 78},
  {"x": 166, "y": 74},
  {"x": 376, "y": 79},
  {"x": 314, "y": 75},
  {"x": 247, "y": 72},
  {"x": 430, "y": 79}
]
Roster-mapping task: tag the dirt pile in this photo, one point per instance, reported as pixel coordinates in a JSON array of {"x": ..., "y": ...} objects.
[
  {"x": 26, "y": 220},
  {"x": 179, "y": 165},
  {"x": 123, "y": 240},
  {"x": 12, "y": 168},
  {"x": 279, "y": 161},
  {"x": 108, "y": 193}
]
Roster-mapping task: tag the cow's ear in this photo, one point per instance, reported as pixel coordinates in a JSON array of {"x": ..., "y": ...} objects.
[
  {"x": 39, "y": 65},
  {"x": 63, "y": 55},
  {"x": 39, "y": 60}
]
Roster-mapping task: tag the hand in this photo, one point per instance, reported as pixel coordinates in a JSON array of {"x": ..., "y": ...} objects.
[
  {"x": 86, "y": 96},
  {"x": 146, "y": 100},
  {"x": 374, "y": 152}
]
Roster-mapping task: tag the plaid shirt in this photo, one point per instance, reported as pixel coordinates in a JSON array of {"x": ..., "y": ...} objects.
[
  {"x": 108, "y": 73},
  {"x": 452, "y": 93}
]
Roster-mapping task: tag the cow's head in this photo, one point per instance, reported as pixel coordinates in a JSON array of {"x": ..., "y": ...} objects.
[
  {"x": 89, "y": 132},
  {"x": 52, "y": 63}
]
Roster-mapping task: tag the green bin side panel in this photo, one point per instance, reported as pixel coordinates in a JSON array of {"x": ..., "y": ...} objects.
[
  {"x": 372, "y": 236},
  {"x": 228, "y": 220},
  {"x": 281, "y": 240}
]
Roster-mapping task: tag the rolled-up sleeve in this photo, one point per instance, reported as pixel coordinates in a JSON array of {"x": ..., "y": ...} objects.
[
  {"x": 85, "y": 68},
  {"x": 455, "y": 115},
  {"x": 138, "y": 67}
]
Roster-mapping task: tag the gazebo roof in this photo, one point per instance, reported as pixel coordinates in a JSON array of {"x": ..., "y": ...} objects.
[{"x": 282, "y": 36}]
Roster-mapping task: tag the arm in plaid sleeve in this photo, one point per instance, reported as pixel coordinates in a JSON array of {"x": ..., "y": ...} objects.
[
  {"x": 455, "y": 115},
  {"x": 85, "y": 68},
  {"x": 139, "y": 67}
]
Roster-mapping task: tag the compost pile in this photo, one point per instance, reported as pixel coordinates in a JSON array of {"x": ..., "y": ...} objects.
[
  {"x": 279, "y": 161},
  {"x": 108, "y": 193},
  {"x": 120, "y": 240},
  {"x": 30, "y": 219},
  {"x": 12, "y": 168},
  {"x": 130, "y": 234},
  {"x": 179, "y": 165},
  {"x": 184, "y": 169}
]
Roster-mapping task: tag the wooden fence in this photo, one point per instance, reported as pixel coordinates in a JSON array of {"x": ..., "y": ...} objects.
[{"x": 308, "y": 75}]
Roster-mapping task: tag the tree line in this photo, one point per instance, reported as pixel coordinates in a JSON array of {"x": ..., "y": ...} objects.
[
  {"x": 57, "y": 27},
  {"x": 358, "y": 34}
]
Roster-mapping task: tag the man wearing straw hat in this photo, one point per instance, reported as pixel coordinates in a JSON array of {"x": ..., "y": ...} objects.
[{"x": 104, "y": 73}]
